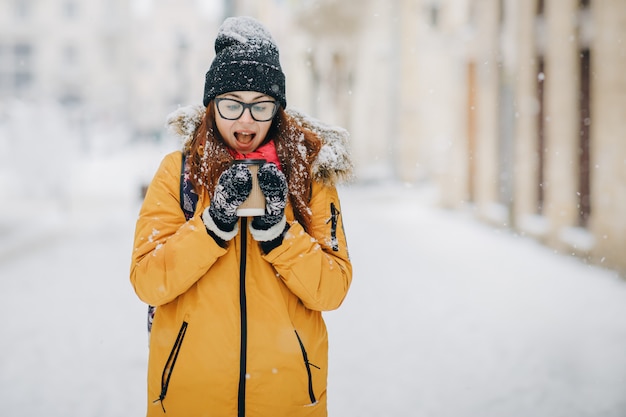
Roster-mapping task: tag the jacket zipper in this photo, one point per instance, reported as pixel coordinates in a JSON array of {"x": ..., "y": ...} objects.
[
  {"x": 308, "y": 368},
  {"x": 241, "y": 410},
  {"x": 334, "y": 215},
  {"x": 169, "y": 365}
]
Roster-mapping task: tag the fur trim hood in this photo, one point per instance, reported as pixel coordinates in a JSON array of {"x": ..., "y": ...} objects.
[{"x": 333, "y": 164}]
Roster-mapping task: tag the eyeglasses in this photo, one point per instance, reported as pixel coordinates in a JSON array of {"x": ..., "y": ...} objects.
[{"x": 261, "y": 111}]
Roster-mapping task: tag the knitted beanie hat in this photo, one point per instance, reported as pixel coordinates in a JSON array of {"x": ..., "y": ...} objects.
[{"x": 246, "y": 59}]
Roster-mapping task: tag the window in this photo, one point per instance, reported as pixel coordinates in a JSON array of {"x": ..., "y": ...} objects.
[
  {"x": 70, "y": 9},
  {"x": 434, "y": 15},
  {"x": 540, "y": 7},
  {"x": 541, "y": 127},
  {"x": 23, "y": 8},
  {"x": 16, "y": 63},
  {"x": 584, "y": 183},
  {"x": 22, "y": 67},
  {"x": 23, "y": 53},
  {"x": 4, "y": 70}
]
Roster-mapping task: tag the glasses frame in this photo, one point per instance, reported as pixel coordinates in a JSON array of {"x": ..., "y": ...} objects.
[{"x": 246, "y": 106}]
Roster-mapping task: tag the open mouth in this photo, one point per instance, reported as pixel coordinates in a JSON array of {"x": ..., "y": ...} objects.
[{"x": 244, "y": 137}]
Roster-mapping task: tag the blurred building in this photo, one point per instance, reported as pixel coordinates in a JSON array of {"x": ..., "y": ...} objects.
[
  {"x": 67, "y": 51},
  {"x": 515, "y": 109},
  {"x": 171, "y": 49},
  {"x": 63, "y": 73}
]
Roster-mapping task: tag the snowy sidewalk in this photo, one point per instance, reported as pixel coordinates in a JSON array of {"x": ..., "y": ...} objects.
[
  {"x": 452, "y": 318},
  {"x": 446, "y": 318},
  {"x": 27, "y": 222}
]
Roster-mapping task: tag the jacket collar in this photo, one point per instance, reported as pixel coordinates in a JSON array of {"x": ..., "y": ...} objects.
[{"x": 333, "y": 164}]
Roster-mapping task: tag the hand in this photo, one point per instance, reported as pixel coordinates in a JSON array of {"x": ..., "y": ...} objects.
[
  {"x": 233, "y": 187},
  {"x": 274, "y": 186}
]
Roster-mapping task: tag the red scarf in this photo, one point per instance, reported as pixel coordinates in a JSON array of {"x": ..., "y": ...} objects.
[{"x": 266, "y": 151}]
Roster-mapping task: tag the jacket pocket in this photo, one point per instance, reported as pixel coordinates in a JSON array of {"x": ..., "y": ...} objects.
[
  {"x": 171, "y": 362},
  {"x": 308, "y": 366}
]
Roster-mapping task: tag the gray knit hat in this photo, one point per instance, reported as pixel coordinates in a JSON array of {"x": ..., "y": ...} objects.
[{"x": 246, "y": 59}]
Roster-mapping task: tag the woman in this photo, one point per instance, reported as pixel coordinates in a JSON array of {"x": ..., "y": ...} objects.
[{"x": 238, "y": 329}]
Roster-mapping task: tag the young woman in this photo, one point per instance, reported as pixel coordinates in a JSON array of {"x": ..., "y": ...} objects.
[{"x": 238, "y": 328}]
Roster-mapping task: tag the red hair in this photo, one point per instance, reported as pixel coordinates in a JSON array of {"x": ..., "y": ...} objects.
[{"x": 296, "y": 147}]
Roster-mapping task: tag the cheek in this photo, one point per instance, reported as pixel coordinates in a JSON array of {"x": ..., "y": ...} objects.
[
  {"x": 223, "y": 126},
  {"x": 264, "y": 129}
]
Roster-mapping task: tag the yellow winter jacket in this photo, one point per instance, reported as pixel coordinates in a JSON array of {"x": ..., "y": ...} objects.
[{"x": 237, "y": 332}]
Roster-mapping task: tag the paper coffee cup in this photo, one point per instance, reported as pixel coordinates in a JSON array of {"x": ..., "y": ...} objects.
[{"x": 255, "y": 203}]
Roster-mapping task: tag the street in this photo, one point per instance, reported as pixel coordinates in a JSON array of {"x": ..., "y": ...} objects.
[{"x": 446, "y": 317}]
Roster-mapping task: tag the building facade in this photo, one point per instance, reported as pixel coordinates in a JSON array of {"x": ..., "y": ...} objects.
[
  {"x": 516, "y": 110},
  {"x": 68, "y": 51},
  {"x": 550, "y": 152}
]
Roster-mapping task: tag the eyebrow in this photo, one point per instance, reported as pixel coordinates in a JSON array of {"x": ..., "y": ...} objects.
[{"x": 261, "y": 95}]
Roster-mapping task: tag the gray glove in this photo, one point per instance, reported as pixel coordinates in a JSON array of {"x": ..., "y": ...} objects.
[
  {"x": 273, "y": 224},
  {"x": 233, "y": 187}
]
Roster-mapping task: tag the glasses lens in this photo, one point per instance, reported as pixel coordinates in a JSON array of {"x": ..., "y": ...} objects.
[
  {"x": 230, "y": 109},
  {"x": 263, "y": 110}
]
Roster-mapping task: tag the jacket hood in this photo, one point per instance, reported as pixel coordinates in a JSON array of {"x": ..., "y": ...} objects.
[{"x": 333, "y": 164}]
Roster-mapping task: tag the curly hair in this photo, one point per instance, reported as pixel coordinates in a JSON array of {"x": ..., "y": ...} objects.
[{"x": 296, "y": 147}]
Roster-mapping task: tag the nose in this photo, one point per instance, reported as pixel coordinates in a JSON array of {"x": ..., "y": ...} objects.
[{"x": 246, "y": 117}]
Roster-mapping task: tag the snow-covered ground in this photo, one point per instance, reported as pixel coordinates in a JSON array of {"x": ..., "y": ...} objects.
[{"x": 446, "y": 318}]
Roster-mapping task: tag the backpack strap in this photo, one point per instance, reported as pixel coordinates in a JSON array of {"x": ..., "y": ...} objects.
[
  {"x": 188, "y": 196},
  {"x": 188, "y": 202}
]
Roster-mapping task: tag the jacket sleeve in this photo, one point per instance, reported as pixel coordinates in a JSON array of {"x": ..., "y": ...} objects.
[
  {"x": 316, "y": 267},
  {"x": 169, "y": 253}
]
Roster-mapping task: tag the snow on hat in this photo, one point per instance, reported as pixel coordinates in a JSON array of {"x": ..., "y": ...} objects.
[{"x": 246, "y": 59}]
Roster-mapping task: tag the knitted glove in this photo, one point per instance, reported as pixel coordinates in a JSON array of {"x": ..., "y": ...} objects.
[
  {"x": 271, "y": 226},
  {"x": 233, "y": 187}
]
